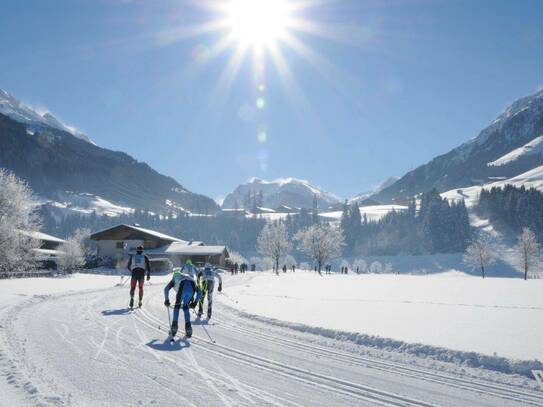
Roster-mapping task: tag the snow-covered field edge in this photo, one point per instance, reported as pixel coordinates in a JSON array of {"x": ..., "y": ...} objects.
[{"x": 427, "y": 352}]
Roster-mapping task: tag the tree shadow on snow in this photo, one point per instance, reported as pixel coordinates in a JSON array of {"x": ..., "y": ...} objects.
[
  {"x": 168, "y": 346},
  {"x": 120, "y": 311}
]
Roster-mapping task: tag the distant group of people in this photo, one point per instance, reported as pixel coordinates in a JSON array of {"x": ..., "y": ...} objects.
[
  {"x": 191, "y": 284},
  {"x": 241, "y": 268},
  {"x": 292, "y": 268}
]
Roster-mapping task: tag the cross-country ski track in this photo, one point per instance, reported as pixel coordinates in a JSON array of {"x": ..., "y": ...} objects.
[{"x": 85, "y": 348}]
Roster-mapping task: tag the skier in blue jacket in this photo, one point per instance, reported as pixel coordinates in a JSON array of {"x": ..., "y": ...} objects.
[{"x": 188, "y": 295}]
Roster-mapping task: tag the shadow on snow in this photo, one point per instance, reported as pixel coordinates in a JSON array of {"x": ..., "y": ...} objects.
[{"x": 168, "y": 346}]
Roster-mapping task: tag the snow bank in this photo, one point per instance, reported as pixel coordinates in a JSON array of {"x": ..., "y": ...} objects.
[
  {"x": 457, "y": 317},
  {"x": 438, "y": 263}
]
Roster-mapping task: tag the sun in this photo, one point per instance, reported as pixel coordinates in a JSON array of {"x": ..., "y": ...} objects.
[{"x": 257, "y": 23}]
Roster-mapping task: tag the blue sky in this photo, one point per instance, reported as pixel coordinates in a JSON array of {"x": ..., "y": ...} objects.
[{"x": 400, "y": 82}]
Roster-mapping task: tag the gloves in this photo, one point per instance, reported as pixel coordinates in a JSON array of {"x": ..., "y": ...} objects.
[
  {"x": 193, "y": 304},
  {"x": 220, "y": 287},
  {"x": 148, "y": 278},
  {"x": 167, "y": 303}
]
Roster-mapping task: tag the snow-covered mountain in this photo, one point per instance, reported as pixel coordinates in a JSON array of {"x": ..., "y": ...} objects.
[
  {"x": 365, "y": 195},
  {"x": 290, "y": 192},
  {"x": 34, "y": 121},
  {"x": 71, "y": 174},
  {"x": 534, "y": 147},
  {"x": 510, "y": 146}
]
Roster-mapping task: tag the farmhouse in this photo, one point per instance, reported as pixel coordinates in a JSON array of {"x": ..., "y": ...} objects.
[
  {"x": 118, "y": 242},
  {"x": 48, "y": 251}
]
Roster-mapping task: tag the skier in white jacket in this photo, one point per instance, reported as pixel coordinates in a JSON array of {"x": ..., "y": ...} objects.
[{"x": 206, "y": 281}]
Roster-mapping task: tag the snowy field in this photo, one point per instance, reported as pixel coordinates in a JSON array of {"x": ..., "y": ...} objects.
[
  {"x": 72, "y": 342},
  {"x": 452, "y": 310}
]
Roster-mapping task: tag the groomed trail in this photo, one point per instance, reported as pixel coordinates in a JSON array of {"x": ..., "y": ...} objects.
[{"x": 86, "y": 348}]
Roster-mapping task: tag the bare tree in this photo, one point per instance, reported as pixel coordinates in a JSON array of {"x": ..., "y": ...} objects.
[
  {"x": 74, "y": 251},
  {"x": 18, "y": 219},
  {"x": 481, "y": 253},
  {"x": 360, "y": 265},
  {"x": 322, "y": 242},
  {"x": 376, "y": 268},
  {"x": 527, "y": 251},
  {"x": 274, "y": 243}
]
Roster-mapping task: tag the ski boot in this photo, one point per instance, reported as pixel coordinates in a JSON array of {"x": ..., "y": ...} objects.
[
  {"x": 131, "y": 304},
  {"x": 173, "y": 329},
  {"x": 200, "y": 312},
  {"x": 188, "y": 329},
  {"x": 209, "y": 313},
  {"x": 140, "y": 303}
]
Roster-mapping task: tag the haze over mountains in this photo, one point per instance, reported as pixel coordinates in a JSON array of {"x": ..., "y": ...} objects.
[{"x": 65, "y": 168}]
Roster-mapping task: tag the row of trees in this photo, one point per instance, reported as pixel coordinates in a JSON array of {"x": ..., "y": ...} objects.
[
  {"x": 19, "y": 220},
  {"x": 320, "y": 242},
  {"x": 512, "y": 208},
  {"x": 482, "y": 252},
  {"x": 438, "y": 226}
]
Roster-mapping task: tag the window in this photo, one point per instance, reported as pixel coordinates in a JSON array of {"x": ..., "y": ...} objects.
[{"x": 119, "y": 245}]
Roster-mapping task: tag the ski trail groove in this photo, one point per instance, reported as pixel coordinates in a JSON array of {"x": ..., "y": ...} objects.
[
  {"x": 508, "y": 393},
  {"x": 364, "y": 392}
]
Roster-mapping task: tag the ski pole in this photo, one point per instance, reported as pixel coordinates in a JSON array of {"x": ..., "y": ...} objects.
[{"x": 206, "y": 331}]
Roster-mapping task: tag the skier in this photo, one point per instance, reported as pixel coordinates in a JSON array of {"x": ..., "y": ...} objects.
[
  {"x": 206, "y": 282},
  {"x": 284, "y": 268},
  {"x": 138, "y": 264},
  {"x": 189, "y": 268},
  {"x": 188, "y": 295}
]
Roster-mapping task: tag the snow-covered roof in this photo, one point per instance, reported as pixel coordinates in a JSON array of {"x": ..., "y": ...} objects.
[
  {"x": 149, "y": 232},
  {"x": 267, "y": 210},
  {"x": 45, "y": 254},
  {"x": 178, "y": 248},
  {"x": 42, "y": 236}
]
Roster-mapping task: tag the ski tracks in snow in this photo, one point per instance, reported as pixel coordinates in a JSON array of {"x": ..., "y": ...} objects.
[{"x": 87, "y": 349}]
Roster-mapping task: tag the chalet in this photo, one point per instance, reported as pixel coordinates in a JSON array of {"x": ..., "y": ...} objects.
[
  {"x": 48, "y": 252},
  {"x": 179, "y": 253},
  {"x": 119, "y": 242}
]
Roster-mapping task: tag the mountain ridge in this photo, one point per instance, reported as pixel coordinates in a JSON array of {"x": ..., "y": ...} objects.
[
  {"x": 467, "y": 164},
  {"x": 292, "y": 192}
]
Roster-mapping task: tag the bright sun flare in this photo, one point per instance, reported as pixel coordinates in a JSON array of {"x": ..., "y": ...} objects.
[{"x": 257, "y": 23}]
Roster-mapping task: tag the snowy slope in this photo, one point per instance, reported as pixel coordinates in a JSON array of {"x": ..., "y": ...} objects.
[
  {"x": 373, "y": 212},
  {"x": 533, "y": 147},
  {"x": 529, "y": 179},
  {"x": 14, "y": 108},
  {"x": 507, "y": 137},
  {"x": 84, "y": 204},
  {"x": 62, "y": 345},
  {"x": 365, "y": 195},
  {"x": 283, "y": 191},
  {"x": 450, "y": 310}
]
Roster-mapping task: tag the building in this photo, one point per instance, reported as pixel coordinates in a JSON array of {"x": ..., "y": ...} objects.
[
  {"x": 48, "y": 252},
  {"x": 179, "y": 253},
  {"x": 119, "y": 242}
]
